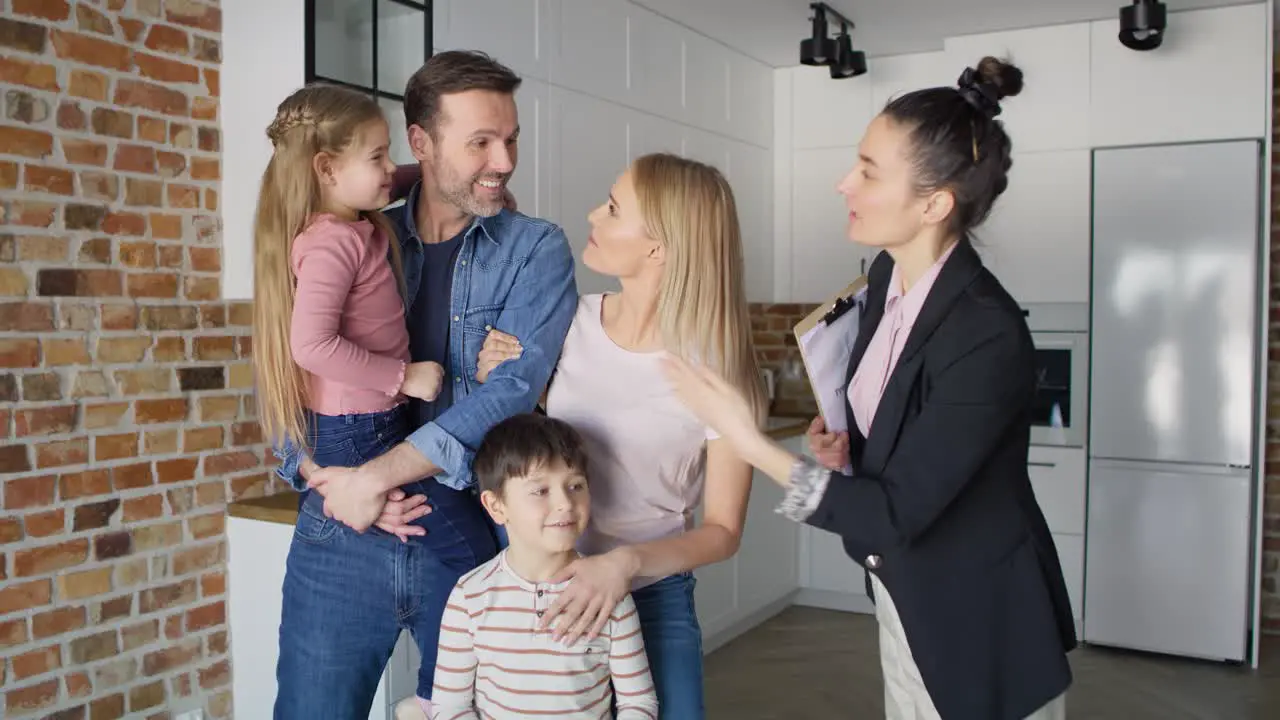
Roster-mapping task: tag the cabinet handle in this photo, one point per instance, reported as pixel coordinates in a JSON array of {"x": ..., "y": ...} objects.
[{"x": 1042, "y": 464}]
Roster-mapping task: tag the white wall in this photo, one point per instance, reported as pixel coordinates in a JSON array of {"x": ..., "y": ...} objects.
[
  {"x": 1210, "y": 80},
  {"x": 604, "y": 81}
]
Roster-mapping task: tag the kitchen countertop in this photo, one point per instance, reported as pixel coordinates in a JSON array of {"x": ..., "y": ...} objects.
[{"x": 282, "y": 507}]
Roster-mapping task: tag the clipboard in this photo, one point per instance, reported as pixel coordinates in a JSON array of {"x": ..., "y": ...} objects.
[{"x": 826, "y": 338}]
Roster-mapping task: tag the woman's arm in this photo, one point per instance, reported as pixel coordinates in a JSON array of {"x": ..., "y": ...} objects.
[
  {"x": 728, "y": 486},
  {"x": 971, "y": 407},
  {"x": 600, "y": 581}
]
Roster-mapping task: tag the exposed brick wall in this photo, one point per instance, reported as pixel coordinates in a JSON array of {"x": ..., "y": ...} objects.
[
  {"x": 125, "y": 406},
  {"x": 1271, "y": 499},
  {"x": 771, "y": 326}
]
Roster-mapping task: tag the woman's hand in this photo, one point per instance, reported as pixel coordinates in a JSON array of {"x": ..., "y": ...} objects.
[
  {"x": 716, "y": 403},
  {"x": 831, "y": 449},
  {"x": 498, "y": 348},
  {"x": 599, "y": 584}
]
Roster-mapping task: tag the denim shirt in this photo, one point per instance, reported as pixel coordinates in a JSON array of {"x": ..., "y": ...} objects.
[{"x": 514, "y": 273}]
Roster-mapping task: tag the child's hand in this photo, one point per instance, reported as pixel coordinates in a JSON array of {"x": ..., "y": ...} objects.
[{"x": 422, "y": 380}]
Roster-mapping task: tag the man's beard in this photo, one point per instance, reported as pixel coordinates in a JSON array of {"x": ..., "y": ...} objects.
[{"x": 460, "y": 192}]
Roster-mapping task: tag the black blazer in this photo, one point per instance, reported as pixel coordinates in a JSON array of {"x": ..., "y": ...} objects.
[{"x": 940, "y": 506}]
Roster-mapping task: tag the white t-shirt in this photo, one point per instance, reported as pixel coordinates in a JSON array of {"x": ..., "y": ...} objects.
[{"x": 646, "y": 452}]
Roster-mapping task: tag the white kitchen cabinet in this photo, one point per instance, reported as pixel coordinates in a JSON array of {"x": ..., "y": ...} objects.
[
  {"x": 591, "y": 137},
  {"x": 651, "y": 134},
  {"x": 823, "y": 258},
  {"x": 750, "y": 101},
  {"x": 767, "y": 571},
  {"x": 591, "y": 54},
  {"x": 828, "y": 113},
  {"x": 898, "y": 74},
  {"x": 517, "y": 33},
  {"x": 750, "y": 175},
  {"x": 1059, "y": 480},
  {"x": 1208, "y": 81},
  {"x": 1071, "y": 557},
  {"x": 707, "y": 147},
  {"x": 758, "y": 582},
  {"x": 656, "y": 72},
  {"x": 706, "y": 84},
  {"x": 536, "y": 164},
  {"x": 1052, "y": 111},
  {"x": 1036, "y": 239}
]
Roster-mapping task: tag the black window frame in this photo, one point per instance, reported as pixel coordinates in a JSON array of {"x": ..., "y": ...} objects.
[{"x": 427, "y": 8}]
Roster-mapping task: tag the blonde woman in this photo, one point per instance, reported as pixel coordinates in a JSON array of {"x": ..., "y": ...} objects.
[{"x": 669, "y": 233}]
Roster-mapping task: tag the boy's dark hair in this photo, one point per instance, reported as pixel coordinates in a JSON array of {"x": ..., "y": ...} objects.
[
  {"x": 450, "y": 72},
  {"x": 521, "y": 444}
]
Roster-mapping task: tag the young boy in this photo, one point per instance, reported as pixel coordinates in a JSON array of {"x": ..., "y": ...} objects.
[{"x": 493, "y": 662}]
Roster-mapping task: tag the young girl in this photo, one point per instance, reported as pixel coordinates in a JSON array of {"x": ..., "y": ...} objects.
[
  {"x": 329, "y": 336},
  {"x": 333, "y": 364}
]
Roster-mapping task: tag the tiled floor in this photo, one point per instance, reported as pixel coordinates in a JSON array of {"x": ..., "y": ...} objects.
[{"x": 817, "y": 664}]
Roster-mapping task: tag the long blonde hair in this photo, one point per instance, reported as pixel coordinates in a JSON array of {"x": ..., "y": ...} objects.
[
  {"x": 689, "y": 207},
  {"x": 316, "y": 119}
]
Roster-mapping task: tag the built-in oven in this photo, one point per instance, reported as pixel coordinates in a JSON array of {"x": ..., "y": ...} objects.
[{"x": 1060, "y": 411}]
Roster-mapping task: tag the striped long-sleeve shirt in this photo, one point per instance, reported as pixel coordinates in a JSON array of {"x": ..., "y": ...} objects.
[{"x": 494, "y": 664}]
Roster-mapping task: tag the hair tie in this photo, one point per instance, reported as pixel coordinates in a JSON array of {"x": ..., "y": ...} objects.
[{"x": 983, "y": 96}]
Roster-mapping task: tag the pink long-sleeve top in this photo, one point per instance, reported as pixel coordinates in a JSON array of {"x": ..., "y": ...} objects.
[
  {"x": 900, "y": 313},
  {"x": 348, "y": 330}
]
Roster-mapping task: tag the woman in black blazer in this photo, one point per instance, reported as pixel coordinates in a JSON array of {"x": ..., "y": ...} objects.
[{"x": 974, "y": 614}]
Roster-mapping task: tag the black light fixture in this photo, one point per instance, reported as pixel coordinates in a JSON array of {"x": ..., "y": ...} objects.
[
  {"x": 836, "y": 53},
  {"x": 849, "y": 62},
  {"x": 819, "y": 49},
  {"x": 1142, "y": 25}
]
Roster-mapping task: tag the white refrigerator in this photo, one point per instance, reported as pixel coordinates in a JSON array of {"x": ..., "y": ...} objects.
[{"x": 1174, "y": 378}]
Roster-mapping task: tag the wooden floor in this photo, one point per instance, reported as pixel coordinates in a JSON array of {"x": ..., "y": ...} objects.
[{"x": 808, "y": 663}]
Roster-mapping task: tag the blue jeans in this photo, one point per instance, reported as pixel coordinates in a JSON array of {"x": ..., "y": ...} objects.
[
  {"x": 348, "y": 595},
  {"x": 673, "y": 642}
]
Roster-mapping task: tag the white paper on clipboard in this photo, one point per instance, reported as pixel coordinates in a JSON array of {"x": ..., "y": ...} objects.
[{"x": 825, "y": 350}]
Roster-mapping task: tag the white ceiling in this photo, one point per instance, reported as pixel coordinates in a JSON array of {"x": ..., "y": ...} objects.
[{"x": 771, "y": 30}]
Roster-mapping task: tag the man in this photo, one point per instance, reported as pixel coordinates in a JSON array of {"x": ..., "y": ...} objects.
[{"x": 469, "y": 265}]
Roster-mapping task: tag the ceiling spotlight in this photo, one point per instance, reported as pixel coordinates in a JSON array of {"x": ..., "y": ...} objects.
[
  {"x": 1142, "y": 25},
  {"x": 819, "y": 49},
  {"x": 848, "y": 62}
]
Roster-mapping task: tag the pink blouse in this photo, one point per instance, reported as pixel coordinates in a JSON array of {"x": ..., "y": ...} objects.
[{"x": 900, "y": 313}]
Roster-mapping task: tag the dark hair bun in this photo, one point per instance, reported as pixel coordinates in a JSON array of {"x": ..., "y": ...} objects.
[{"x": 1004, "y": 77}]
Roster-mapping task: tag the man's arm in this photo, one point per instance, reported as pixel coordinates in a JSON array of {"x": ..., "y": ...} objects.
[{"x": 538, "y": 310}]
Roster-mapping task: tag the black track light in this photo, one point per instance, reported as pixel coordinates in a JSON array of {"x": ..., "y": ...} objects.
[
  {"x": 1142, "y": 25},
  {"x": 837, "y": 53},
  {"x": 819, "y": 49},
  {"x": 848, "y": 62}
]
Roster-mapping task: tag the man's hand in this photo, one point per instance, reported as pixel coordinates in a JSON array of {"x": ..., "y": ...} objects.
[{"x": 350, "y": 497}]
